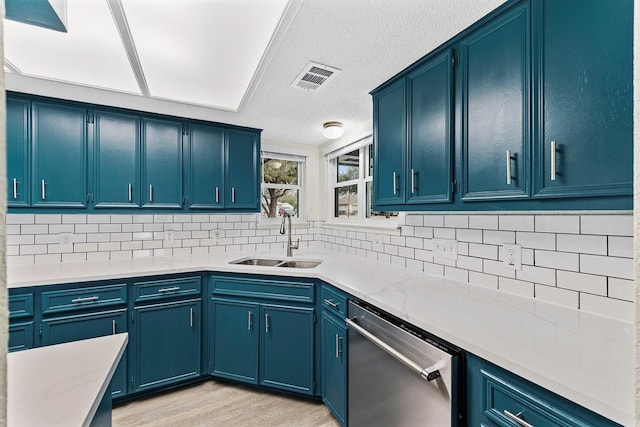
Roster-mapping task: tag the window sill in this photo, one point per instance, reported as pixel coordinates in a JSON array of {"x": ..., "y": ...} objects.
[
  {"x": 276, "y": 224},
  {"x": 392, "y": 229}
]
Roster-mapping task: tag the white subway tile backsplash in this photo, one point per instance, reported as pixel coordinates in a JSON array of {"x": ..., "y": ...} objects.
[
  {"x": 33, "y": 249},
  {"x": 463, "y": 248},
  {"x": 20, "y": 239},
  {"x": 483, "y": 222},
  {"x": 621, "y": 246},
  {"x": 456, "y": 221},
  {"x": 536, "y": 240},
  {"x": 497, "y": 268},
  {"x": 86, "y": 228},
  {"x": 492, "y": 237},
  {"x": 414, "y": 242},
  {"x": 608, "y": 307},
  {"x": 423, "y": 232},
  {"x": 517, "y": 287},
  {"x": 50, "y": 259},
  {"x": 622, "y": 268},
  {"x": 61, "y": 228},
  {"x": 74, "y": 257},
  {"x": 34, "y": 229},
  {"x": 545, "y": 276},
  {"x": 614, "y": 225},
  {"x": 415, "y": 220},
  {"x": 470, "y": 263},
  {"x": 558, "y": 260},
  {"x": 557, "y": 296},
  {"x": 12, "y": 229},
  {"x": 121, "y": 219},
  {"x": 581, "y": 243},
  {"x": 444, "y": 233},
  {"x": 454, "y": 273},
  {"x": 557, "y": 224},
  {"x": 484, "y": 280},
  {"x": 435, "y": 269},
  {"x": 621, "y": 289},
  {"x": 20, "y": 219},
  {"x": 483, "y": 251},
  {"x": 48, "y": 219},
  {"x": 433, "y": 220},
  {"x": 516, "y": 222},
  {"x": 469, "y": 235},
  {"x": 582, "y": 282}
]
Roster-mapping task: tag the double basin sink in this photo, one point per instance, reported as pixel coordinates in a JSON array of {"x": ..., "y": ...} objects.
[{"x": 269, "y": 262}]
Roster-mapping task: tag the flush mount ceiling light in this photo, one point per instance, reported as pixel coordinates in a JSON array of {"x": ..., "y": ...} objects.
[{"x": 332, "y": 130}]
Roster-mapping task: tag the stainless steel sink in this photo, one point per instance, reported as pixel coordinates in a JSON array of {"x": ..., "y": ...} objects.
[
  {"x": 257, "y": 261},
  {"x": 300, "y": 264},
  {"x": 268, "y": 262}
]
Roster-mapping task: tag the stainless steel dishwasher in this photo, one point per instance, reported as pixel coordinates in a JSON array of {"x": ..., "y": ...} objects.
[{"x": 398, "y": 375}]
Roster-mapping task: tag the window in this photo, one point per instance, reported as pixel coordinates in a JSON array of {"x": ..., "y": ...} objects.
[
  {"x": 281, "y": 184},
  {"x": 351, "y": 176}
]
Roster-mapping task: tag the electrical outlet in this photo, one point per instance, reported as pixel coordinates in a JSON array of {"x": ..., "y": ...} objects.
[
  {"x": 170, "y": 236},
  {"x": 65, "y": 240},
  {"x": 216, "y": 235},
  {"x": 512, "y": 257},
  {"x": 447, "y": 249}
]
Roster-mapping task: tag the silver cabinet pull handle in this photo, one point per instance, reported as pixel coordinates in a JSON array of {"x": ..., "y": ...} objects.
[
  {"x": 86, "y": 299},
  {"x": 249, "y": 320},
  {"x": 266, "y": 323},
  {"x": 130, "y": 192},
  {"x": 395, "y": 186},
  {"x": 413, "y": 181},
  {"x": 553, "y": 160},
  {"x": 15, "y": 188},
  {"x": 44, "y": 191},
  {"x": 508, "y": 167},
  {"x": 429, "y": 373},
  {"x": 217, "y": 195},
  {"x": 171, "y": 289},
  {"x": 113, "y": 327},
  {"x": 517, "y": 418},
  {"x": 191, "y": 317},
  {"x": 337, "y": 346},
  {"x": 331, "y": 303},
  {"x": 151, "y": 192},
  {"x": 233, "y": 194}
]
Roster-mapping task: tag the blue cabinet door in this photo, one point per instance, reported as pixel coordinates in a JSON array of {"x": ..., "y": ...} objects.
[
  {"x": 206, "y": 161},
  {"x": 166, "y": 343},
  {"x": 286, "y": 351},
  {"x": 20, "y": 336},
  {"x": 495, "y": 92},
  {"x": 243, "y": 171},
  {"x": 59, "y": 330},
  {"x": 161, "y": 164},
  {"x": 430, "y": 145},
  {"x": 585, "y": 147},
  {"x": 234, "y": 342},
  {"x": 334, "y": 366},
  {"x": 116, "y": 160},
  {"x": 59, "y": 135},
  {"x": 389, "y": 139},
  {"x": 17, "y": 152}
]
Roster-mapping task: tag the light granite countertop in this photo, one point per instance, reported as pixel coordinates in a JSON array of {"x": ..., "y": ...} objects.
[
  {"x": 584, "y": 357},
  {"x": 61, "y": 385}
]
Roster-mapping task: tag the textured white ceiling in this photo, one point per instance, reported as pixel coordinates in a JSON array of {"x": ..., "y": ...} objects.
[{"x": 369, "y": 40}]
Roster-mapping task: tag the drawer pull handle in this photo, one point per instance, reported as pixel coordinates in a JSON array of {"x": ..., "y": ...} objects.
[
  {"x": 43, "y": 185},
  {"x": 150, "y": 193},
  {"x": 517, "y": 418},
  {"x": 191, "y": 317},
  {"x": 86, "y": 299},
  {"x": 331, "y": 303},
  {"x": 233, "y": 194},
  {"x": 508, "y": 167},
  {"x": 15, "y": 188},
  {"x": 413, "y": 181},
  {"x": 113, "y": 327},
  {"x": 171, "y": 289},
  {"x": 266, "y": 323},
  {"x": 338, "y": 351},
  {"x": 249, "y": 320},
  {"x": 554, "y": 150},
  {"x": 130, "y": 192},
  {"x": 395, "y": 185},
  {"x": 217, "y": 195}
]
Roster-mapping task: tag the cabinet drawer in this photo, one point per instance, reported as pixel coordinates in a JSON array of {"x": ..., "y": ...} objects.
[
  {"x": 20, "y": 336},
  {"x": 164, "y": 289},
  {"x": 20, "y": 306},
  {"x": 505, "y": 397},
  {"x": 82, "y": 298},
  {"x": 333, "y": 301},
  {"x": 266, "y": 289}
]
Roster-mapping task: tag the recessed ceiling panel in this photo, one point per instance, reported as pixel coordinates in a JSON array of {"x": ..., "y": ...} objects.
[
  {"x": 202, "y": 51},
  {"x": 90, "y": 53}
]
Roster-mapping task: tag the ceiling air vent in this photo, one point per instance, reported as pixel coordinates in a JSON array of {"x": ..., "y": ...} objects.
[{"x": 314, "y": 75}]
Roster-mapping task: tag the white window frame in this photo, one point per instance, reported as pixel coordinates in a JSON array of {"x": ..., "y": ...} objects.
[
  {"x": 363, "y": 146},
  {"x": 299, "y": 187}
]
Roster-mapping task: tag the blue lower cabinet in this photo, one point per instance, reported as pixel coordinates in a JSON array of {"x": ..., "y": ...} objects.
[
  {"x": 496, "y": 397},
  {"x": 20, "y": 336},
  {"x": 165, "y": 343},
  {"x": 286, "y": 352},
  {"x": 234, "y": 343},
  {"x": 59, "y": 330},
  {"x": 334, "y": 366}
]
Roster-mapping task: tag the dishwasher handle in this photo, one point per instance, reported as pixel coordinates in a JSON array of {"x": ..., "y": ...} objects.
[{"x": 429, "y": 373}]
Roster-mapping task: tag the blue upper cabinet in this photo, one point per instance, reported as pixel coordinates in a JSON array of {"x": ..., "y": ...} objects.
[
  {"x": 59, "y": 135},
  {"x": 585, "y": 86},
  {"x": 243, "y": 170},
  {"x": 205, "y": 157},
  {"x": 162, "y": 164},
  {"x": 389, "y": 136},
  {"x": 116, "y": 160},
  {"x": 495, "y": 75},
  {"x": 17, "y": 152},
  {"x": 430, "y": 144}
]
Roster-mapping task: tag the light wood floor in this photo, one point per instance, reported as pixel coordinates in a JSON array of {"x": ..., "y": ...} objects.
[{"x": 215, "y": 403}]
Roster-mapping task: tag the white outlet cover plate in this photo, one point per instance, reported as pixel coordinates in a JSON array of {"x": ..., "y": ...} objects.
[
  {"x": 512, "y": 257},
  {"x": 447, "y": 249},
  {"x": 65, "y": 240}
]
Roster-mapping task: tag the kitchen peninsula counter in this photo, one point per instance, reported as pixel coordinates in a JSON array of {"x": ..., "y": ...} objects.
[{"x": 588, "y": 359}]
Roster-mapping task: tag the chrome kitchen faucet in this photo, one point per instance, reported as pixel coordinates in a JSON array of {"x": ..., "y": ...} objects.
[{"x": 290, "y": 245}]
